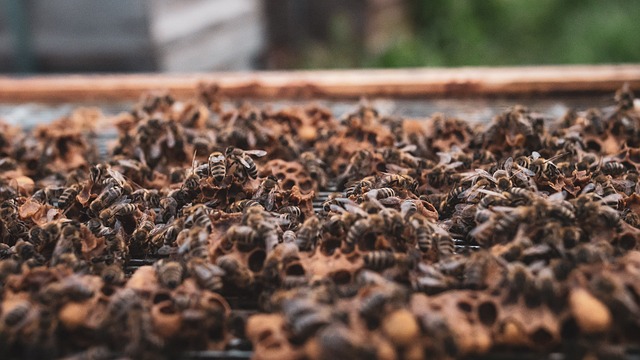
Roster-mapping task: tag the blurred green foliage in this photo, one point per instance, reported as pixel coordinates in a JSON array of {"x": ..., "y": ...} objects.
[{"x": 501, "y": 32}]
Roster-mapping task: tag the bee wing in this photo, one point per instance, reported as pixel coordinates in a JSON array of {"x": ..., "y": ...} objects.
[
  {"x": 271, "y": 201},
  {"x": 556, "y": 157},
  {"x": 185, "y": 246},
  {"x": 251, "y": 139},
  {"x": 351, "y": 206},
  {"x": 256, "y": 153},
  {"x": 393, "y": 200},
  {"x": 559, "y": 196},
  {"x": 116, "y": 175},
  {"x": 535, "y": 155},
  {"x": 485, "y": 174},
  {"x": 372, "y": 194},
  {"x": 462, "y": 207},
  {"x": 409, "y": 148},
  {"x": 139, "y": 154},
  {"x": 522, "y": 171},
  {"x": 171, "y": 139},
  {"x": 444, "y": 157},
  {"x": 485, "y": 226},
  {"x": 376, "y": 202},
  {"x": 407, "y": 207},
  {"x": 120, "y": 201},
  {"x": 611, "y": 198},
  {"x": 394, "y": 169},
  {"x": 337, "y": 208},
  {"x": 454, "y": 165},
  {"x": 625, "y": 184},
  {"x": 244, "y": 162},
  {"x": 471, "y": 193},
  {"x": 503, "y": 209},
  {"x": 508, "y": 164},
  {"x": 469, "y": 176},
  {"x": 356, "y": 210},
  {"x": 489, "y": 192},
  {"x": 155, "y": 150}
]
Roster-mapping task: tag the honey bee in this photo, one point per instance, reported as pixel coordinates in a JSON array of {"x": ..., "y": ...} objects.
[
  {"x": 393, "y": 222},
  {"x": 290, "y": 217},
  {"x": 217, "y": 166},
  {"x": 236, "y": 274},
  {"x": 305, "y": 318},
  {"x": 198, "y": 215},
  {"x": 431, "y": 281},
  {"x": 535, "y": 165},
  {"x": 372, "y": 308},
  {"x": 443, "y": 241},
  {"x": 194, "y": 243},
  {"x": 336, "y": 341},
  {"x": 243, "y": 157},
  {"x": 424, "y": 236},
  {"x": 293, "y": 281},
  {"x": 17, "y": 314},
  {"x": 308, "y": 234},
  {"x": 383, "y": 195},
  {"x": 613, "y": 292},
  {"x": 613, "y": 168},
  {"x": 92, "y": 353},
  {"x": 208, "y": 275},
  {"x": 117, "y": 210},
  {"x": 290, "y": 149},
  {"x": 170, "y": 273},
  {"x": 107, "y": 197},
  {"x": 360, "y": 228},
  {"x": 68, "y": 196},
  {"x": 289, "y": 237},
  {"x": 335, "y": 225},
  {"x": 293, "y": 210},
  {"x": 143, "y": 230},
  {"x": 360, "y": 164},
  {"x": 398, "y": 181},
  {"x": 550, "y": 289},
  {"x": 475, "y": 271},
  {"x": 191, "y": 183},
  {"x": 241, "y": 205},
  {"x": 593, "y": 211},
  {"x": 168, "y": 208},
  {"x": 242, "y": 234},
  {"x": 267, "y": 191},
  {"x": 112, "y": 274},
  {"x": 379, "y": 259},
  {"x": 264, "y": 225},
  {"x": 8, "y": 267},
  {"x": 590, "y": 253},
  {"x": 24, "y": 250},
  {"x": 315, "y": 168},
  {"x": 519, "y": 196},
  {"x": 520, "y": 282},
  {"x": 357, "y": 188},
  {"x": 400, "y": 156},
  {"x": 151, "y": 198}
]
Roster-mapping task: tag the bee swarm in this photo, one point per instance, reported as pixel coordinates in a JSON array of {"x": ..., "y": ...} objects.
[{"x": 438, "y": 239}]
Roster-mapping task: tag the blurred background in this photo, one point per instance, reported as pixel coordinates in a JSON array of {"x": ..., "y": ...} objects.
[{"x": 60, "y": 36}]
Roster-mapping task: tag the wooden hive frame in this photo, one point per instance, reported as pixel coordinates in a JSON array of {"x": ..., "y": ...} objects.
[{"x": 332, "y": 84}]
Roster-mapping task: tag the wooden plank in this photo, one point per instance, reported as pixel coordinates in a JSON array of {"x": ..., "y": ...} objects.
[{"x": 451, "y": 82}]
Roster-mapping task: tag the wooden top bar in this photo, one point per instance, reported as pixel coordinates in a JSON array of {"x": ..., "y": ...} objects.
[{"x": 331, "y": 84}]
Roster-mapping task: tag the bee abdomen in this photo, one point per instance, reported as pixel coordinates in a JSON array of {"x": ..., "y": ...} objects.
[{"x": 379, "y": 260}]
